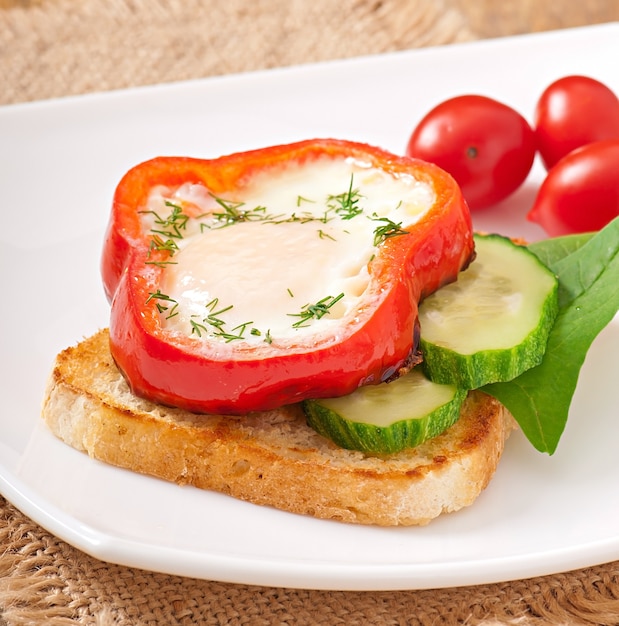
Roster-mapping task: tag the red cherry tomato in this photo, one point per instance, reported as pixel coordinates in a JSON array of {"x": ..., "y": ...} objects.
[
  {"x": 581, "y": 192},
  {"x": 572, "y": 112},
  {"x": 485, "y": 145}
]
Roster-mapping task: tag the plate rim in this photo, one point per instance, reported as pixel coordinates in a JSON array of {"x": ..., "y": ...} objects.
[{"x": 308, "y": 576}]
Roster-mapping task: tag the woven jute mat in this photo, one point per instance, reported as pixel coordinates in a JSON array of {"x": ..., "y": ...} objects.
[
  {"x": 52, "y": 48},
  {"x": 46, "y": 581}
]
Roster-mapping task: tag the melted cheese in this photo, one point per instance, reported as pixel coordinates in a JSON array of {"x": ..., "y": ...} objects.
[{"x": 259, "y": 278}]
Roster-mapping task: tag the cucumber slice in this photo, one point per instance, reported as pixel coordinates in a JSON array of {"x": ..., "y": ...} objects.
[
  {"x": 386, "y": 418},
  {"x": 492, "y": 324}
]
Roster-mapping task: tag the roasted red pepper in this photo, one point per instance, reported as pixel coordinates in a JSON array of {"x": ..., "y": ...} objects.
[{"x": 253, "y": 368}]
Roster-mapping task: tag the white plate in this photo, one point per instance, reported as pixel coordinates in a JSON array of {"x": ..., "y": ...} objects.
[{"x": 59, "y": 163}]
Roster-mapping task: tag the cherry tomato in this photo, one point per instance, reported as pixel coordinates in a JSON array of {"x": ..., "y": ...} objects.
[
  {"x": 572, "y": 112},
  {"x": 485, "y": 145},
  {"x": 581, "y": 192}
]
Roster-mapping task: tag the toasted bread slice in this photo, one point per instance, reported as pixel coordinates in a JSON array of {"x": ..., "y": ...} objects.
[{"x": 270, "y": 458}]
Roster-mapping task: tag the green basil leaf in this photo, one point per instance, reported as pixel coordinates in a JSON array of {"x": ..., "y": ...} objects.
[{"x": 549, "y": 251}]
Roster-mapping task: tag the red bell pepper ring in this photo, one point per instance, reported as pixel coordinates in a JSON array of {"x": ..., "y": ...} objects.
[{"x": 183, "y": 371}]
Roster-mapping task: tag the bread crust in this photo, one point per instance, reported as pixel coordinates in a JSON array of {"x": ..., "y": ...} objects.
[{"x": 271, "y": 458}]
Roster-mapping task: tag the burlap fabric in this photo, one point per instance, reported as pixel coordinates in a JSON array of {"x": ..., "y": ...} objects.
[
  {"x": 51, "y": 48},
  {"x": 45, "y": 581}
]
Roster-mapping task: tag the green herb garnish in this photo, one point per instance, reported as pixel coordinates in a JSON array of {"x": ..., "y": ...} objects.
[
  {"x": 388, "y": 229},
  {"x": 303, "y": 218},
  {"x": 301, "y": 199},
  {"x": 162, "y": 245},
  {"x": 346, "y": 204},
  {"x": 173, "y": 224},
  {"x": 233, "y": 212},
  {"x": 235, "y": 333},
  {"x": 160, "y": 299},
  {"x": 323, "y": 235},
  {"x": 315, "y": 311},
  {"x": 160, "y": 263},
  {"x": 212, "y": 318},
  {"x": 197, "y": 328},
  {"x": 166, "y": 231}
]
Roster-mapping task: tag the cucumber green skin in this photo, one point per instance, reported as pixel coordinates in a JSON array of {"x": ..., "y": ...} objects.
[
  {"x": 382, "y": 440},
  {"x": 444, "y": 366},
  {"x": 471, "y": 371}
]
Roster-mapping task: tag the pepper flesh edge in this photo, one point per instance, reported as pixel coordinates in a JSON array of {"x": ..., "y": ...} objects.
[{"x": 181, "y": 373}]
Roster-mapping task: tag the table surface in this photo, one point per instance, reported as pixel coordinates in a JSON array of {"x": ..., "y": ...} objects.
[
  {"x": 489, "y": 18},
  {"x": 45, "y": 45}
]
